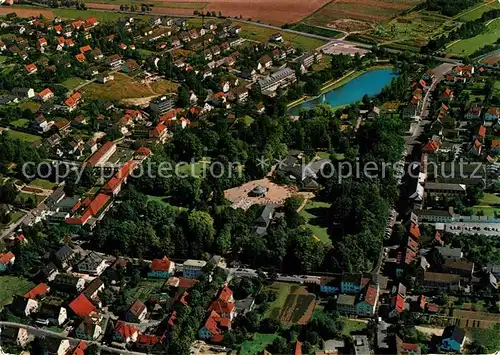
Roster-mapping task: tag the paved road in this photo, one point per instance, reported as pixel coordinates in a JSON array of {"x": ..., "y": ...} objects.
[{"x": 73, "y": 341}]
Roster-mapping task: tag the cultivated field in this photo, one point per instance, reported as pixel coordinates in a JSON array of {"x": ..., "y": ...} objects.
[
  {"x": 377, "y": 11},
  {"x": 414, "y": 29},
  {"x": 26, "y": 11},
  {"x": 294, "y": 305}
]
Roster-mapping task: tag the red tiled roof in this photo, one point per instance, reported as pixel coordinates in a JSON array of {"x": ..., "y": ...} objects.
[
  {"x": 147, "y": 340},
  {"x": 161, "y": 264},
  {"x": 45, "y": 92},
  {"x": 432, "y": 307},
  {"x": 444, "y": 107},
  {"x": 410, "y": 347},
  {"x": 495, "y": 143},
  {"x": 494, "y": 111},
  {"x": 94, "y": 159},
  {"x": 371, "y": 295},
  {"x": 221, "y": 307},
  {"x": 298, "y": 348},
  {"x": 482, "y": 131},
  {"x": 58, "y": 28},
  {"x": 211, "y": 323},
  {"x": 415, "y": 230},
  {"x": 398, "y": 303},
  {"x": 143, "y": 151},
  {"x": 183, "y": 299},
  {"x": 225, "y": 294},
  {"x": 447, "y": 93},
  {"x": 81, "y": 306},
  {"x": 412, "y": 244},
  {"x": 98, "y": 203},
  {"x": 172, "y": 318},
  {"x": 430, "y": 147},
  {"x": 30, "y": 67},
  {"x": 5, "y": 258},
  {"x": 187, "y": 283},
  {"x": 120, "y": 176},
  {"x": 39, "y": 290},
  {"x": 80, "y": 349},
  {"x": 125, "y": 330},
  {"x": 137, "y": 308},
  {"x": 158, "y": 130},
  {"x": 77, "y": 24},
  {"x": 80, "y": 57},
  {"x": 91, "y": 20}
]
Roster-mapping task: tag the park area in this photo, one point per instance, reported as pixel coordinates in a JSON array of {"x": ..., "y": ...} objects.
[
  {"x": 23, "y": 136},
  {"x": 293, "y": 305},
  {"x": 466, "y": 47},
  {"x": 11, "y": 286},
  {"x": 257, "y": 344},
  {"x": 488, "y": 205},
  {"x": 315, "y": 215}
]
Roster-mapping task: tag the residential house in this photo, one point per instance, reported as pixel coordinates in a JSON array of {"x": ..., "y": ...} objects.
[
  {"x": 6, "y": 261},
  {"x": 68, "y": 283},
  {"x": 214, "y": 327},
  {"x": 136, "y": 313},
  {"x": 114, "y": 61},
  {"x": 276, "y": 37},
  {"x": 88, "y": 329},
  {"x": 474, "y": 113},
  {"x": 330, "y": 285},
  {"x": 31, "y": 68},
  {"x": 352, "y": 283},
  {"x": 463, "y": 268},
  {"x": 125, "y": 333},
  {"x": 282, "y": 77},
  {"x": 24, "y": 92},
  {"x": 435, "y": 281},
  {"x": 93, "y": 288},
  {"x": 161, "y": 268},
  {"x": 346, "y": 304},
  {"x": 102, "y": 155},
  {"x": 104, "y": 77},
  {"x": 265, "y": 62},
  {"x": 367, "y": 301},
  {"x": 82, "y": 307},
  {"x": 403, "y": 348},
  {"x": 48, "y": 273},
  {"x": 93, "y": 264},
  {"x": 159, "y": 133},
  {"x": 453, "y": 339},
  {"x": 24, "y": 306},
  {"x": 55, "y": 315},
  {"x": 162, "y": 104},
  {"x": 45, "y": 95},
  {"x": 64, "y": 256},
  {"x": 493, "y": 114},
  {"x": 192, "y": 269},
  {"x": 38, "y": 291},
  {"x": 129, "y": 66},
  {"x": 18, "y": 336}
]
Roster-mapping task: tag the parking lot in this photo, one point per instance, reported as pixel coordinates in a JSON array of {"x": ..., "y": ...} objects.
[{"x": 473, "y": 228}]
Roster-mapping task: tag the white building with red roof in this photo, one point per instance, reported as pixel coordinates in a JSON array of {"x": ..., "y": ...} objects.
[{"x": 162, "y": 268}]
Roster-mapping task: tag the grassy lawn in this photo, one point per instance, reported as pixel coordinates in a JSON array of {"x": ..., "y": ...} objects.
[
  {"x": 258, "y": 344},
  {"x": 162, "y": 86},
  {"x": 283, "y": 290},
  {"x": 123, "y": 87},
  {"x": 351, "y": 326},
  {"x": 144, "y": 290},
  {"x": 29, "y": 105},
  {"x": 488, "y": 205},
  {"x": 30, "y": 138},
  {"x": 22, "y": 197},
  {"x": 325, "y": 32},
  {"x": 20, "y": 123},
  {"x": 16, "y": 216},
  {"x": 478, "y": 11},
  {"x": 497, "y": 87},
  {"x": 487, "y": 337},
  {"x": 44, "y": 184},
  {"x": 314, "y": 214},
  {"x": 262, "y": 34},
  {"x": 12, "y": 285},
  {"x": 3, "y": 58},
  {"x": 72, "y": 82},
  {"x": 160, "y": 199},
  {"x": 468, "y": 46}
]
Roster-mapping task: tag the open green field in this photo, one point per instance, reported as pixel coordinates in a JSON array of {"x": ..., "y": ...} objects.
[
  {"x": 29, "y": 105},
  {"x": 351, "y": 325},
  {"x": 262, "y": 34},
  {"x": 20, "y": 123},
  {"x": 282, "y": 291},
  {"x": 258, "y": 344},
  {"x": 320, "y": 31},
  {"x": 293, "y": 305},
  {"x": 489, "y": 204},
  {"x": 144, "y": 290},
  {"x": 122, "y": 87},
  {"x": 30, "y": 138},
  {"x": 22, "y": 197},
  {"x": 497, "y": 87},
  {"x": 72, "y": 82},
  {"x": 99, "y": 15},
  {"x": 487, "y": 337},
  {"x": 468, "y": 46},
  {"x": 315, "y": 213},
  {"x": 11, "y": 286},
  {"x": 44, "y": 184},
  {"x": 478, "y": 11}
]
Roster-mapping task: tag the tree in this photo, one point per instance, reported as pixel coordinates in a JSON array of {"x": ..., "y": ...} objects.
[
  {"x": 201, "y": 231},
  {"x": 182, "y": 96},
  {"x": 93, "y": 349}
]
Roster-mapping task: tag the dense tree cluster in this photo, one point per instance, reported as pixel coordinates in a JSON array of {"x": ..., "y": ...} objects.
[{"x": 450, "y": 8}]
